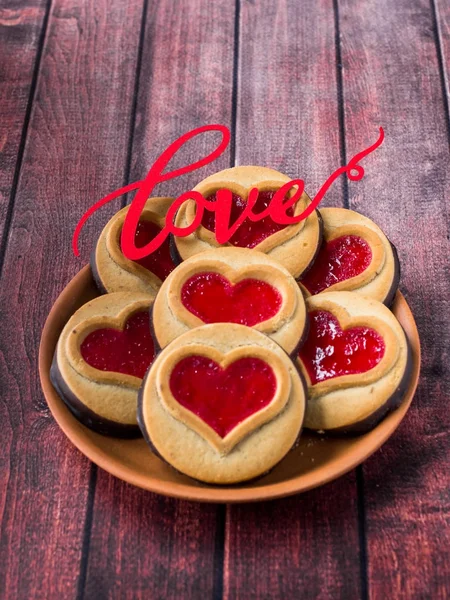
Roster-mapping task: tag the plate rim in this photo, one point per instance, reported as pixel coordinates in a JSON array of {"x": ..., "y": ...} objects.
[{"x": 208, "y": 493}]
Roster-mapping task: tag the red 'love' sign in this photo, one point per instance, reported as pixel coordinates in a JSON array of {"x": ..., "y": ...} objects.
[{"x": 277, "y": 209}]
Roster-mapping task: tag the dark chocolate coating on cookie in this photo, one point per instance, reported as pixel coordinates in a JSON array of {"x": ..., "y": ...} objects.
[
  {"x": 95, "y": 274},
  {"x": 85, "y": 415},
  {"x": 319, "y": 245},
  {"x": 396, "y": 279},
  {"x": 174, "y": 254},
  {"x": 391, "y": 404},
  {"x": 156, "y": 345}
]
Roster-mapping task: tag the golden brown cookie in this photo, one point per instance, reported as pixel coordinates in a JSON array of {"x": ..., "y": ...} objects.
[
  {"x": 231, "y": 285},
  {"x": 294, "y": 246},
  {"x": 102, "y": 355},
  {"x": 356, "y": 362},
  {"x": 355, "y": 256},
  {"x": 222, "y": 403},
  {"x": 115, "y": 273}
]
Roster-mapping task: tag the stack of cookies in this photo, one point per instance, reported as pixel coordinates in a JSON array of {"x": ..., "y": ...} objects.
[{"x": 220, "y": 355}]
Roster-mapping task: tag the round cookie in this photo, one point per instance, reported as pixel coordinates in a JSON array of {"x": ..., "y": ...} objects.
[
  {"x": 231, "y": 285},
  {"x": 101, "y": 357},
  {"x": 223, "y": 403},
  {"x": 356, "y": 362},
  {"x": 115, "y": 273},
  {"x": 294, "y": 246},
  {"x": 355, "y": 256}
]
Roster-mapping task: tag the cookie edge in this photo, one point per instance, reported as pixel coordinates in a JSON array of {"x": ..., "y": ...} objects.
[{"x": 85, "y": 415}]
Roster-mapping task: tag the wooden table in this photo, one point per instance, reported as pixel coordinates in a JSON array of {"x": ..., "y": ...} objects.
[{"x": 91, "y": 92}]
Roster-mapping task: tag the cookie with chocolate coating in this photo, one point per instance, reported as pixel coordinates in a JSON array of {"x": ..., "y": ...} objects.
[
  {"x": 222, "y": 403},
  {"x": 231, "y": 285},
  {"x": 101, "y": 357},
  {"x": 356, "y": 361},
  {"x": 113, "y": 272},
  {"x": 355, "y": 256},
  {"x": 294, "y": 246}
]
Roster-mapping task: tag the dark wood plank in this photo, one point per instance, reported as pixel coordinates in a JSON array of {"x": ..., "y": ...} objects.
[
  {"x": 21, "y": 32},
  {"x": 288, "y": 113},
  {"x": 142, "y": 545},
  {"x": 301, "y": 547},
  {"x": 186, "y": 81},
  {"x": 288, "y": 118},
  {"x": 75, "y": 151},
  {"x": 391, "y": 78},
  {"x": 147, "y": 546}
]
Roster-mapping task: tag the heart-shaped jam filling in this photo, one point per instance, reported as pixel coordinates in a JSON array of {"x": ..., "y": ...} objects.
[
  {"x": 159, "y": 262},
  {"x": 339, "y": 259},
  {"x": 223, "y": 398},
  {"x": 331, "y": 351},
  {"x": 129, "y": 351},
  {"x": 213, "y": 299},
  {"x": 249, "y": 234}
]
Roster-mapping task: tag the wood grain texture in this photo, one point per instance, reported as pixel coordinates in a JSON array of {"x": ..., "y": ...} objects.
[
  {"x": 288, "y": 119},
  {"x": 186, "y": 81},
  {"x": 287, "y": 110},
  {"x": 75, "y": 152},
  {"x": 21, "y": 25},
  {"x": 142, "y": 545},
  {"x": 391, "y": 78},
  {"x": 68, "y": 530},
  {"x": 147, "y": 546},
  {"x": 300, "y": 547}
]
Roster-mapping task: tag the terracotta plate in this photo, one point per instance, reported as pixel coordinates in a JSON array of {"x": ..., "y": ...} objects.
[{"x": 314, "y": 462}]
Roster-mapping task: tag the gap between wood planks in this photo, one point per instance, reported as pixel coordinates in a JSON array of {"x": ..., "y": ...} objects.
[
  {"x": 137, "y": 80},
  {"x": 441, "y": 62},
  {"x": 23, "y": 138},
  {"x": 359, "y": 471},
  {"x": 94, "y": 469},
  {"x": 222, "y": 509}
]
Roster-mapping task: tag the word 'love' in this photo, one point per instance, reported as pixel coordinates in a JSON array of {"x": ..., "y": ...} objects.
[{"x": 277, "y": 210}]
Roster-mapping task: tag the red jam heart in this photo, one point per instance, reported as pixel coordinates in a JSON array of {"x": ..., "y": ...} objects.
[
  {"x": 331, "y": 352},
  {"x": 129, "y": 351},
  {"x": 249, "y": 234},
  {"x": 213, "y": 299},
  {"x": 159, "y": 262},
  {"x": 340, "y": 259},
  {"x": 223, "y": 398}
]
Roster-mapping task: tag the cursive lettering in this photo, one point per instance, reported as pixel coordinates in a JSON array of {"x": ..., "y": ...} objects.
[{"x": 277, "y": 210}]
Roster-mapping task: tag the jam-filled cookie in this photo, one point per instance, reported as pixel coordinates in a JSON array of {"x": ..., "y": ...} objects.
[
  {"x": 101, "y": 358},
  {"x": 223, "y": 403},
  {"x": 356, "y": 361},
  {"x": 115, "y": 273},
  {"x": 231, "y": 285},
  {"x": 355, "y": 256},
  {"x": 294, "y": 246}
]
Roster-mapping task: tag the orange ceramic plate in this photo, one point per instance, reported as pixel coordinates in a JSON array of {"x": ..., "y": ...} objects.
[{"x": 313, "y": 462}]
